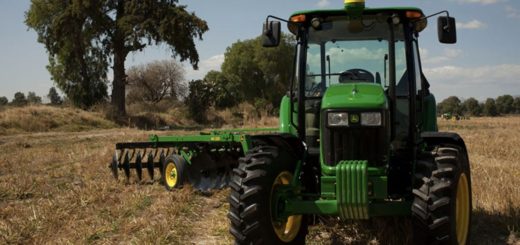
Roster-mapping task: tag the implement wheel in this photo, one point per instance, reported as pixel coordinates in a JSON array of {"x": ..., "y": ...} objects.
[
  {"x": 173, "y": 172},
  {"x": 253, "y": 186},
  {"x": 441, "y": 208}
]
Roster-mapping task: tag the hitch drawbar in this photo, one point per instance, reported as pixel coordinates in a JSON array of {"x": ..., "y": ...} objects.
[{"x": 207, "y": 159}]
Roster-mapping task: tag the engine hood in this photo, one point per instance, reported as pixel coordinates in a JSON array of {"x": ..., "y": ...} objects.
[{"x": 354, "y": 96}]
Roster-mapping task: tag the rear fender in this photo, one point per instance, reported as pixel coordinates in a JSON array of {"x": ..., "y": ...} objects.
[
  {"x": 437, "y": 138},
  {"x": 288, "y": 142}
]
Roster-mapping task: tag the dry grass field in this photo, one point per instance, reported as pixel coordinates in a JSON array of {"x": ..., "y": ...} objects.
[{"x": 56, "y": 188}]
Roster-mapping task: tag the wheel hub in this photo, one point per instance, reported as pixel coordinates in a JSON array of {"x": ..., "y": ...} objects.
[
  {"x": 171, "y": 177},
  {"x": 286, "y": 229}
]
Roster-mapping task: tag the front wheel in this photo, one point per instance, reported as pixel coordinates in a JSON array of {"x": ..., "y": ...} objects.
[
  {"x": 253, "y": 188},
  {"x": 442, "y": 205}
]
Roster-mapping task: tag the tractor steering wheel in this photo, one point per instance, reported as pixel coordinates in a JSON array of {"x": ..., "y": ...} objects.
[
  {"x": 315, "y": 90},
  {"x": 355, "y": 75}
]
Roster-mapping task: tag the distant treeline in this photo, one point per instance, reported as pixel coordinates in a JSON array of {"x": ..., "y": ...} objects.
[
  {"x": 502, "y": 105},
  {"x": 20, "y": 99}
]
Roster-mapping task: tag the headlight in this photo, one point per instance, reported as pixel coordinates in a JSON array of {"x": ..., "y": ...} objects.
[
  {"x": 337, "y": 119},
  {"x": 371, "y": 118}
]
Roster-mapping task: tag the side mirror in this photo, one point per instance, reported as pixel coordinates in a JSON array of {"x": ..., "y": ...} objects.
[
  {"x": 446, "y": 29},
  {"x": 271, "y": 34}
]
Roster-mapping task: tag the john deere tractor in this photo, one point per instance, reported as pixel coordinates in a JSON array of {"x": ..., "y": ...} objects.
[{"x": 358, "y": 133}]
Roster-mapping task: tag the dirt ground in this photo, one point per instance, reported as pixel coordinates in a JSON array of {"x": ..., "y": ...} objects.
[{"x": 56, "y": 188}]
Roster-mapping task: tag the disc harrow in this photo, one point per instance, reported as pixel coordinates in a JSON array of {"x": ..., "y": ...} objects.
[
  {"x": 207, "y": 159},
  {"x": 130, "y": 156}
]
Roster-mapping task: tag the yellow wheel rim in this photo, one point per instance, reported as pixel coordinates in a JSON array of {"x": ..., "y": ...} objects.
[
  {"x": 171, "y": 174},
  {"x": 287, "y": 230},
  {"x": 462, "y": 209}
]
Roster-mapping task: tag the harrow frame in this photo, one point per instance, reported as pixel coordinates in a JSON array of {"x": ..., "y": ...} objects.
[{"x": 207, "y": 149}]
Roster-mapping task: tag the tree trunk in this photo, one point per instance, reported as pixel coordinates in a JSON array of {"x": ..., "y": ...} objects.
[{"x": 119, "y": 83}]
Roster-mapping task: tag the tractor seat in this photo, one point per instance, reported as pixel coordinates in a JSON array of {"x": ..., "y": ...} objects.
[{"x": 355, "y": 76}]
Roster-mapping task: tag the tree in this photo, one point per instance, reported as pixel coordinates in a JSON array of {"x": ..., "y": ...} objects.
[
  {"x": 450, "y": 105},
  {"x": 54, "y": 97},
  {"x": 3, "y": 100},
  {"x": 471, "y": 107},
  {"x": 490, "y": 108},
  {"x": 257, "y": 72},
  {"x": 516, "y": 105},
  {"x": 32, "y": 98},
  {"x": 155, "y": 81},
  {"x": 504, "y": 104},
  {"x": 84, "y": 37},
  {"x": 198, "y": 100},
  {"x": 224, "y": 93},
  {"x": 19, "y": 99}
]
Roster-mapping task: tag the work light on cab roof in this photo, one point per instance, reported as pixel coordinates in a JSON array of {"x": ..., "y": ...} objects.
[{"x": 355, "y": 6}]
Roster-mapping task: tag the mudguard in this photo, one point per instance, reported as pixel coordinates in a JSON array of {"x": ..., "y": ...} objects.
[
  {"x": 434, "y": 138},
  {"x": 286, "y": 141}
]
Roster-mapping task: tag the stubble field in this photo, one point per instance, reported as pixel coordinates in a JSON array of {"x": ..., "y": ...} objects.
[{"x": 56, "y": 188}]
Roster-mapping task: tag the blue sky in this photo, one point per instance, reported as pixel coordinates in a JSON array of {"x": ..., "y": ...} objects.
[{"x": 484, "y": 63}]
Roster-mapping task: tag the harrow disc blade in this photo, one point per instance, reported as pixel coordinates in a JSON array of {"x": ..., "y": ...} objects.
[
  {"x": 149, "y": 166},
  {"x": 202, "y": 175},
  {"x": 162, "y": 159},
  {"x": 126, "y": 166},
  {"x": 114, "y": 165},
  {"x": 205, "y": 183},
  {"x": 138, "y": 166},
  {"x": 214, "y": 179},
  {"x": 194, "y": 179},
  {"x": 224, "y": 180}
]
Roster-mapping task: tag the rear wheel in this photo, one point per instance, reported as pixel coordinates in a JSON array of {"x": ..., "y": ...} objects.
[
  {"x": 253, "y": 185},
  {"x": 173, "y": 172},
  {"x": 441, "y": 208}
]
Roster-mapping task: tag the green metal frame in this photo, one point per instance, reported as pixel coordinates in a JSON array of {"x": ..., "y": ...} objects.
[
  {"x": 242, "y": 136},
  {"x": 353, "y": 191}
]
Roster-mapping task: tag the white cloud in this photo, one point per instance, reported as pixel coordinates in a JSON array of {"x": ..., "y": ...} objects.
[
  {"x": 446, "y": 55},
  {"x": 512, "y": 12},
  {"x": 473, "y": 24},
  {"x": 358, "y": 53},
  {"x": 424, "y": 53},
  {"x": 323, "y": 3},
  {"x": 504, "y": 73},
  {"x": 483, "y": 2},
  {"x": 211, "y": 63},
  {"x": 343, "y": 57},
  {"x": 479, "y": 82}
]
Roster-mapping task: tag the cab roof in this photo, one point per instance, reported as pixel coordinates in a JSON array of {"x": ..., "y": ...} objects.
[
  {"x": 365, "y": 11},
  {"x": 402, "y": 11}
]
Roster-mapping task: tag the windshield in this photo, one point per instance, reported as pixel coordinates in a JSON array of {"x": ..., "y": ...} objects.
[{"x": 342, "y": 52}]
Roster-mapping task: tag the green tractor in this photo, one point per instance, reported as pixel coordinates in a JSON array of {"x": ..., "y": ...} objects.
[{"x": 358, "y": 134}]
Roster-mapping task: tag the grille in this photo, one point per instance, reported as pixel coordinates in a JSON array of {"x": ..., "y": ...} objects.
[{"x": 354, "y": 143}]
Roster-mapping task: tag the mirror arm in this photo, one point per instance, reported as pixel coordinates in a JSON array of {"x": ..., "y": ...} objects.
[
  {"x": 280, "y": 19},
  {"x": 276, "y": 18},
  {"x": 441, "y": 12}
]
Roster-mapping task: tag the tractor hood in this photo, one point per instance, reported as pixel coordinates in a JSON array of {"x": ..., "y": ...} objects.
[{"x": 354, "y": 96}]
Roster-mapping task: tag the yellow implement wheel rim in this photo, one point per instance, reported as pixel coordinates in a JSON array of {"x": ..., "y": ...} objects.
[
  {"x": 462, "y": 209},
  {"x": 171, "y": 174},
  {"x": 287, "y": 230}
]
